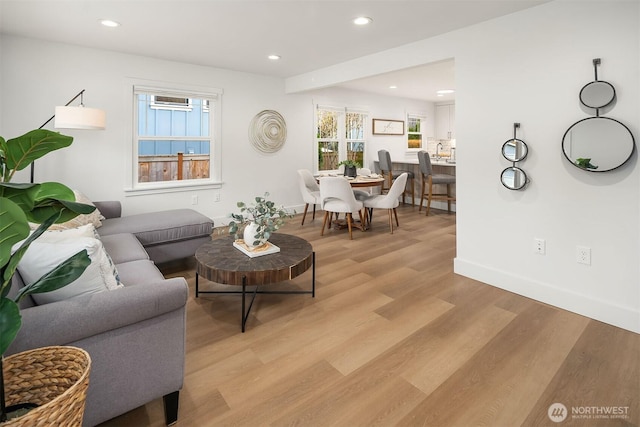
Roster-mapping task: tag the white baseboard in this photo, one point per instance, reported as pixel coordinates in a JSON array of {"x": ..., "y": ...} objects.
[{"x": 616, "y": 315}]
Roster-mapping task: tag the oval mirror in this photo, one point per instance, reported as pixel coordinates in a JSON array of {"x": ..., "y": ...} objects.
[
  {"x": 597, "y": 94},
  {"x": 514, "y": 150},
  {"x": 598, "y": 144},
  {"x": 513, "y": 178}
]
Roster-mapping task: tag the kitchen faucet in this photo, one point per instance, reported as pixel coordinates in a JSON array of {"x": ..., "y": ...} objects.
[{"x": 438, "y": 148}]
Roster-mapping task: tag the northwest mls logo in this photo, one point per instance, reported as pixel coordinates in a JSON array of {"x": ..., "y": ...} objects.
[{"x": 557, "y": 412}]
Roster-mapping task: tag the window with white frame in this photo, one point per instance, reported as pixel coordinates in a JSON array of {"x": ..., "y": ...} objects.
[
  {"x": 415, "y": 129},
  {"x": 354, "y": 135},
  {"x": 173, "y": 137},
  {"x": 340, "y": 135}
]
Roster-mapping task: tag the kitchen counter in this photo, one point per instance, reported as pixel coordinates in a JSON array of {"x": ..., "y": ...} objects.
[{"x": 441, "y": 162}]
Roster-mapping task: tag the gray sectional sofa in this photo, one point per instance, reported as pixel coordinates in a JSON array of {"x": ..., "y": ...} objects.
[{"x": 135, "y": 335}]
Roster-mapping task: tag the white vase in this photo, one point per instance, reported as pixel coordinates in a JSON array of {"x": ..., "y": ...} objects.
[{"x": 249, "y": 235}]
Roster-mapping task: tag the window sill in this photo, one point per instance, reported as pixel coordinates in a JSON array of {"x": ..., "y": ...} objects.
[{"x": 171, "y": 188}]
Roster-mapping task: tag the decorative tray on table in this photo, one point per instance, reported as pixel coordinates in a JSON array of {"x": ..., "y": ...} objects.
[{"x": 265, "y": 249}]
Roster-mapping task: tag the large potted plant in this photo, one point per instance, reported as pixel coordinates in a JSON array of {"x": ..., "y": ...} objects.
[
  {"x": 21, "y": 203},
  {"x": 260, "y": 219}
]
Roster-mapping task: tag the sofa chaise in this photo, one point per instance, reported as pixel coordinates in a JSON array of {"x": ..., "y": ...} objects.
[{"x": 135, "y": 335}]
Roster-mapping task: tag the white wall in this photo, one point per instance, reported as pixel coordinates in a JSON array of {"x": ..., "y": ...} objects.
[
  {"x": 528, "y": 67},
  {"x": 37, "y": 75}
]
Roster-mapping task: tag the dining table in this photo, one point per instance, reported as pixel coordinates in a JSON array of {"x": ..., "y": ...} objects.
[{"x": 360, "y": 181}]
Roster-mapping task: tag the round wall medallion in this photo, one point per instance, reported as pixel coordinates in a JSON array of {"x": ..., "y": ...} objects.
[{"x": 268, "y": 131}]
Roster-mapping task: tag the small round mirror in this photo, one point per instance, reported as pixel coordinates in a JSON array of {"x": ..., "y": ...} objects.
[
  {"x": 598, "y": 144},
  {"x": 597, "y": 94},
  {"x": 514, "y": 178},
  {"x": 514, "y": 150}
]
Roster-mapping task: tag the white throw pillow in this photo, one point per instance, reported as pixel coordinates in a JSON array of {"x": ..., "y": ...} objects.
[
  {"x": 107, "y": 267},
  {"x": 43, "y": 257}
]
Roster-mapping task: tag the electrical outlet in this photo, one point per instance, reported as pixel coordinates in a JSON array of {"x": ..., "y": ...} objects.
[
  {"x": 583, "y": 255},
  {"x": 216, "y": 196},
  {"x": 194, "y": 199},
  {"x": 539, "y": 246}
]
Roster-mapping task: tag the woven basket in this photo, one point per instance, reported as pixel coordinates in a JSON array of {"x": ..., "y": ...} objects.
[{"x": 54, "y": 378}]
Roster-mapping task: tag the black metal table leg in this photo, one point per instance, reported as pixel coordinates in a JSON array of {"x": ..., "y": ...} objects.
[
  {"x": 196, "y": 284},
  {"x": 245, "y": 315},
  {"x": 243, "y": 318},
  {"x": 313, "y": 275}
]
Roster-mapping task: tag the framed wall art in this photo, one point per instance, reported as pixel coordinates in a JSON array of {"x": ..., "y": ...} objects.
[{"x": 388, "y": 127}]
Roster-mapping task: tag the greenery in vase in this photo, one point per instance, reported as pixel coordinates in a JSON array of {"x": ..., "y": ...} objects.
[
  {"x": 350, "y": 163},
  {"x": 266, "y": 214},
  {"x": 20, "y": 203}
]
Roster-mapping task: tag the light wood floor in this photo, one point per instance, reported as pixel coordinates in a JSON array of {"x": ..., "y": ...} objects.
[{"x": 394, "y": 337}]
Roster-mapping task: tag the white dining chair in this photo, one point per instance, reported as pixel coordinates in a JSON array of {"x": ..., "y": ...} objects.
[
  {"x": 336, "y": 196},
  {"x": 362, "y": 194},
  {"x": 389, "y": 201},
  {"x": 310, "y": 191}
]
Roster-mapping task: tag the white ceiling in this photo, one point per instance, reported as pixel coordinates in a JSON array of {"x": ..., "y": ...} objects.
[
  {"x": 239, "y": 34},
  {"x": 417, "y": 82}
]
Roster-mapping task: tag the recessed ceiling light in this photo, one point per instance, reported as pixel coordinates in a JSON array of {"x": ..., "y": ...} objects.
[
  {"x": 445, "y": 91},
  {"x": 362, "y": 20},
  {"x": 393, "y": 87},
  {"x": 109, "y": 23},
  {"x": 274, "y": 57}
]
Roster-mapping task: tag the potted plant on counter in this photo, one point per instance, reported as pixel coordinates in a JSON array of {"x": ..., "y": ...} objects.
[
  {"x": 350, "y": 167},
  {"x": 260, "y": 219},
  {"x": 44, "y": 204}
]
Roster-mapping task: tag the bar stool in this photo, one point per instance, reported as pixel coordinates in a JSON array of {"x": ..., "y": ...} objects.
[
  {"x": 386, "y": 167},
  {"x": 428, "y": 179}
]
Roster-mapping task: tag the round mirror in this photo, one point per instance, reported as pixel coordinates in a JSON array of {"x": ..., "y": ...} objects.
[
  {"x": 597, "y": 94},
  {"x": 598, "y": 144},
  {"x": 514, "y": 150},
  {"x": 513, "y": 178}
]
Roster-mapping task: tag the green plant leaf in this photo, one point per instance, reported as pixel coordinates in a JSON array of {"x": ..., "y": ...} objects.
[
  {"x": 10, "y": 322},
  {"x": 14, "y": 226},
  {"x": 65, "y": 273},
  {"x": 9, "y": 269},
  {"x": 53, "y": 197},
  {"x": 23, "y": 150},
  {"x": 22, "y": 194},
  {"x": 54, "y": 190}
]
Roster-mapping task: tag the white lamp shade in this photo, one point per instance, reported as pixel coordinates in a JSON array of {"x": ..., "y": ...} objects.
[
  {"x": 79, "y": 118},
  {"x": 453, "y": 143}
]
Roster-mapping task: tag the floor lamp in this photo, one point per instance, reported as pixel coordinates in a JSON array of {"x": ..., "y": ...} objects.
[{"x": 79, "y": 117}]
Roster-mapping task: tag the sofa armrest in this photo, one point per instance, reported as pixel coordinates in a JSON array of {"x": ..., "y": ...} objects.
[
  {"x": 71, "y": 320},
  {"x": 109, "y": 208}
]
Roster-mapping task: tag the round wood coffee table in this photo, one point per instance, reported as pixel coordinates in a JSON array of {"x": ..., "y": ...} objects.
[{"x": 219, "y": 261}]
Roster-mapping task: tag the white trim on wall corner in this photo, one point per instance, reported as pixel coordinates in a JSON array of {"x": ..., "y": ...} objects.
[{"x": 622, "y": 317}]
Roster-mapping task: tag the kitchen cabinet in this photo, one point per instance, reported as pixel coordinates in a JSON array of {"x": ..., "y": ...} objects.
[{"x": 446, "y": 121}]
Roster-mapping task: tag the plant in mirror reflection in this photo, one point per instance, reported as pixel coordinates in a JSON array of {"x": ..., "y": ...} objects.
[{"x": 585, "y": 163}]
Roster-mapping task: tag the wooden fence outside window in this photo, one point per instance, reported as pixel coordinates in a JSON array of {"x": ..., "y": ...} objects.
[{"x": 173, "y": 167}]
